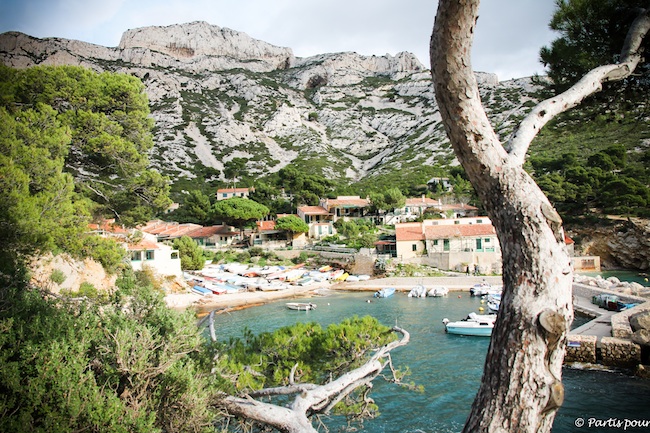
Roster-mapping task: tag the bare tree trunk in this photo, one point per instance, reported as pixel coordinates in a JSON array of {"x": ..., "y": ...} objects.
[{"x": 521, "y": 387}]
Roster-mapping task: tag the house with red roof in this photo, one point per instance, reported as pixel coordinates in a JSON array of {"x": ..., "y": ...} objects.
[
  {"x": 345, "y": 207},
  {"x": 148, "y": 252},
  {"x": 226, "y": 193},
  {"x": 215, "y": 236},
  {"x": 319, "y": 220},
  {"x": 145, "y": 252},
  {"x": 451, "y": 244}
]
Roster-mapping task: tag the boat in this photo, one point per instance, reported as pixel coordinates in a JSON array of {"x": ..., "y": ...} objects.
[
  {"x": 493, "y": 302},
  {"x": 305, "y": 281},
  {"x": 385, "y": 292},
  {"x": 418, "y": 291},
  {"x": 480, "y": 289},
  {"x": 342, "y": 277},
  {"x": 479, "y": 325},
  {"x": 302, "y": 306},
  {"x": 201, "y": 290},
  {"x": 438, "y": 291}
]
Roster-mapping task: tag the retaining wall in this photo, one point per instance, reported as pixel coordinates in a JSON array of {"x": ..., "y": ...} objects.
[
  {"x": 617, "y": 352},
  {"x": 581, "y": 348}
]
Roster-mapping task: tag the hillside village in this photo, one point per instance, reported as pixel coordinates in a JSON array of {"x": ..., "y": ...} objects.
[{"x": 450, "y": 237}]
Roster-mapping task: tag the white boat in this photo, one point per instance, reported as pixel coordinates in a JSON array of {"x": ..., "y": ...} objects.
[
  {"x": 480, "y": 289},
  {"x": 493, "y": 302},
  {"x": 479, "y": 325},
  {"x": 438, "y": 291},
  {"x": 418, "y": 292},
  {"x": 302, "y": 306},
  {"x": 385, "y": 292}
]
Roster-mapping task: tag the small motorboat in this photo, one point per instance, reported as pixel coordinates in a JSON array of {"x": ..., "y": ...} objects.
[
  {"x": 480, "y": 289},
  {"x": 301, "y": 306},
  {"x": 493, "y": 302},
  {"x": 438, "y": 291},
  {"x": 418, "y": 291},
  {"x": 479, "y": 325},
  {"x": 385, "y": 292}
]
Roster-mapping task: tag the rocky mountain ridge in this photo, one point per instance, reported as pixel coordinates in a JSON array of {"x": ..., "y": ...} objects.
[{"x": 217, "y": 94}]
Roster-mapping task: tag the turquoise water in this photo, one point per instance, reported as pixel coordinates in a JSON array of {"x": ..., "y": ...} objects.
[{"x": 449, "y": 366}]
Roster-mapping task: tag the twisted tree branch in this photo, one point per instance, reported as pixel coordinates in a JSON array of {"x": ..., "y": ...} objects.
[{"x": 591, "y": 83}]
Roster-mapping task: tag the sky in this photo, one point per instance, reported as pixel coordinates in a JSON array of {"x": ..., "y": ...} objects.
[{"x": 507, "y": 41}]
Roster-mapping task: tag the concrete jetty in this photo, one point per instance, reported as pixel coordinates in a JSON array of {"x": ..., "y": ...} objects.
[{"x": 606, "y": 338}]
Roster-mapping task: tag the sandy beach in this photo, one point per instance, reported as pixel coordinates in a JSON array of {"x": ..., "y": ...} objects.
[{"x": 460, "y": 283}]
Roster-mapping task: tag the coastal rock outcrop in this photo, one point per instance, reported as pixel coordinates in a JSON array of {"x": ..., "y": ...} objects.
[
  {"x": 613, "y": 284},
  {"x": 640, "y": 321},
  {"x": 623, "y": 244}
]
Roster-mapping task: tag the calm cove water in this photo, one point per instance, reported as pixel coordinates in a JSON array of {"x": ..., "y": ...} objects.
[{"x": 449, "y": 366}]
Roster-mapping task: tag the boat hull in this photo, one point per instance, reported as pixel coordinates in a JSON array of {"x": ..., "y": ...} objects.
[
  {"x": 301, "y": 306},
  {"x": 385, "y": 293},
  {"x": 477, "y": 331}
]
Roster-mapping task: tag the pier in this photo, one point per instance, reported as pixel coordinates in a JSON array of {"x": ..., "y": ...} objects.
[{"x": 606, "y": 339}]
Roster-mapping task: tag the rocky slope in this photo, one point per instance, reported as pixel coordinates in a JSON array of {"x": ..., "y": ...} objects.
[
  {"x": 624, "y": 243},
  {"x": 217, "y": 94}
]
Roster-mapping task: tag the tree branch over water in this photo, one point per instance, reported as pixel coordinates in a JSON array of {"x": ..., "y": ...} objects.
[{"x": 311, "y": 399}]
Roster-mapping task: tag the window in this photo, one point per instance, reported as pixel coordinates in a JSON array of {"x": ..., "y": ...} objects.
[
  {"x": 487, "y": 240},
  {"x": 435, "y": 242},
  {"x": 136, "y": 256},
  {"x": 149, "y": 255},
  {"x": 456, "y": 222},
  {"x": 175, "y": 255},
  {"x": 414, "y": 247},
  {"x": 479, "y": 221},
  {"x": 445, "y": 245}
]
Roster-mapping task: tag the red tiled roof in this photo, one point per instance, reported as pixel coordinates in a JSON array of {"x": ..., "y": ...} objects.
[
  {"x": 143, "y": 245},
  {"x": 205, "y": 232},
  {"x": 266, "y": 225},
  {"x": 409, "y": 232},
  {"x": 313, "y": 210},
  {"x": 108, "y": 226},
  {"x": 459, "y": 231},
  {"x": 348, "y": 202},
  {"x": 169, "y": 229},
  {"x": 455, "y": 206},
  {"x": 421, "y": 201},
  {"x": 568, "y": 240},
  {"x": 233, "y": 190}
]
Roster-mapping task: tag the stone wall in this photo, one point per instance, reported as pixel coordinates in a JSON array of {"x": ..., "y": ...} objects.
[
  {"x": 617, "y": 352},
  {"x": 581, "y": 348},
  {"x": 621, "y": 321}
]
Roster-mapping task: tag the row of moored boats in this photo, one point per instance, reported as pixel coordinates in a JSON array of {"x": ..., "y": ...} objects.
[
  {"x": 239, "y": 277},
  {"x": 480, "y": 325}
]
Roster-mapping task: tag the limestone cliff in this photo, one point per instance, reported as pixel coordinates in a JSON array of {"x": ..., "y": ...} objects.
[{"x": 218, "y": 94}]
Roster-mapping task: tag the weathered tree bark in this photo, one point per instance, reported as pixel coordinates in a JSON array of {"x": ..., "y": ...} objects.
[
  {"x": 521, "y": 387},
  {"x": 310, "y": 398}
]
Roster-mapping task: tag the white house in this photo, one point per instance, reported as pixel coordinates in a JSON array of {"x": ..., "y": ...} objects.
[
  {"x": 451, "y": 244},
  {"x": 160, "y": 257},
  {"x": 226, "y": 193}
]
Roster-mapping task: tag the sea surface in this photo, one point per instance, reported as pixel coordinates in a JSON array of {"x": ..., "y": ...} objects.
[{"x": 448, "y": 366}]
